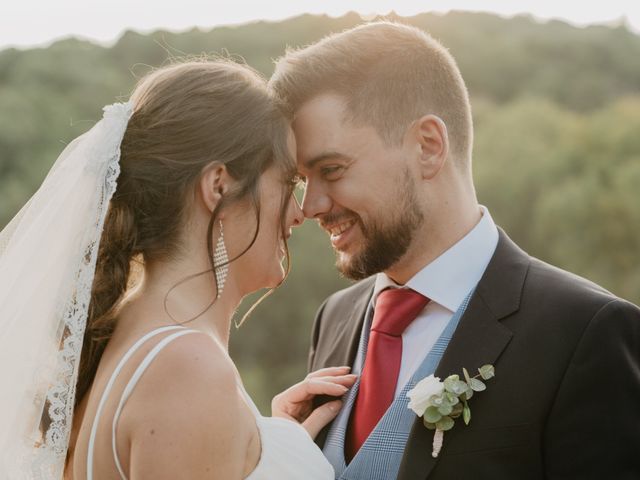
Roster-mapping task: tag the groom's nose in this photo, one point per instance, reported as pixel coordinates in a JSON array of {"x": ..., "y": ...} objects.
[{"x": 315, "y": 201}]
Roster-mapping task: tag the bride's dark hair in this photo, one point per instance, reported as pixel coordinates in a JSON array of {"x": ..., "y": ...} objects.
[{"x": 186, "y": 116}]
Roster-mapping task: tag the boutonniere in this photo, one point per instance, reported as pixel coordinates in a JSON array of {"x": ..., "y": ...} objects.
[{"x": 440, "y": 403}]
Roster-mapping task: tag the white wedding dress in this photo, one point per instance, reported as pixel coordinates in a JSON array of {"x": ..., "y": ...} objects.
[{"x": 288, "y": 453}]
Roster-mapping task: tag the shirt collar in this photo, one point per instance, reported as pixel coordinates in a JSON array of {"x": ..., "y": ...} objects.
[{"x": 448, "y": 279}]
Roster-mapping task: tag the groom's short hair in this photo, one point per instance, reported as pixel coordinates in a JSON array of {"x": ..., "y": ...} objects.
[{"x": 389, "y": 74}]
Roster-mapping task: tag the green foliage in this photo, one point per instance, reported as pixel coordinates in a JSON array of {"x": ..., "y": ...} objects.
[
  {"x": 451, "y": 401},
  {"x": 429, "y": 425},
  {"x": 556, "y": 158},
  {"x": 432, "y": 415},
  {"x": 487, "y": 372},
  {"x": 565, "y": 186},
  {"x": 454, "y": 385},
  {"x": 445, "y": 423},
  {"x": 466, "y": 413}
]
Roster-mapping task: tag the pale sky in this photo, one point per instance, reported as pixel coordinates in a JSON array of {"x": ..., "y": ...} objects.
[{"x": 26, "y": 23}]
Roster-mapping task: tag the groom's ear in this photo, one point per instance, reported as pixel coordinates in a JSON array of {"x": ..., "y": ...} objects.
[
  {"x": 214, "y": 183},
  {"x": 430, "y": 134}
]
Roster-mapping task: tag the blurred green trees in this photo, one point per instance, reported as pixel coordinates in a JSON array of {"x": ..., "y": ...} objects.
[{"x": 556, "y": 158}]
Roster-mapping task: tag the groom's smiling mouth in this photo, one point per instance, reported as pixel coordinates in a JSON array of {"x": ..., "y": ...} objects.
[{"x": 340, "y": 233}]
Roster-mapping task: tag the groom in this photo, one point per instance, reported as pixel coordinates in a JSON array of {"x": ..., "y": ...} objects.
[{"x": 384, "y": 138}]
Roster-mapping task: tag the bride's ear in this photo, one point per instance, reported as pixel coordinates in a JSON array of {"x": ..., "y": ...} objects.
[{"x": 214, "y": 183}]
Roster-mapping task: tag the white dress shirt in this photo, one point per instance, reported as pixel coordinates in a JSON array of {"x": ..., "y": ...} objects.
[{"x": 447, "y": 281}]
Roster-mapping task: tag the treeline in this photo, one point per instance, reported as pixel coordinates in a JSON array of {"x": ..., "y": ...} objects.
[{"x": 556, "y": 159}]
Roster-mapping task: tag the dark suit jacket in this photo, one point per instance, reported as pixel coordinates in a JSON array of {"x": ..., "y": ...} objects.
[{"x": 565, "y": 401}]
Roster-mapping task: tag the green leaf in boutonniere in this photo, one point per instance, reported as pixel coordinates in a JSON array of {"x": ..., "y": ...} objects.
[{"x": 440, "y": 403}]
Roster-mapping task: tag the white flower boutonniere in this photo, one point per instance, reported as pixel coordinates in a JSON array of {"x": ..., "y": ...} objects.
[{"x": 440, "y": 403}]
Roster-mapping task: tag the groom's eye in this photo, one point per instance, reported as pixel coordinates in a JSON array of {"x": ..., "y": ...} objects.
[{"x": 332, "y": 172}]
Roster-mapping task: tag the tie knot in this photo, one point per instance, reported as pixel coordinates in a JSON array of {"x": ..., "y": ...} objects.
[{"x": 395, "y": 309}]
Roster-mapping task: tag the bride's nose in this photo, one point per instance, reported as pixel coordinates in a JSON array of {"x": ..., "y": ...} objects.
[{"x": 296, "y": 217}]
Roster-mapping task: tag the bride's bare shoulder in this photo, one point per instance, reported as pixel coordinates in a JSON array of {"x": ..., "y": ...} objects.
[
  {"x": 194, "y": 367},
  {"x": 189, "y": 396}
]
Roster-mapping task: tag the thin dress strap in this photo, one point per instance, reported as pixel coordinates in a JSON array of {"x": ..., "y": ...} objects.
[{"x": 127, "y": 392}]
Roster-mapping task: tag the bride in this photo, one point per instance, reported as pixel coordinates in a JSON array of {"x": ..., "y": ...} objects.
[{"x": 119, "y": 279}]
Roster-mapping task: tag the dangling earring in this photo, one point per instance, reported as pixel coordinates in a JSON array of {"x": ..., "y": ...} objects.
[{"x": 220, "y": 262}]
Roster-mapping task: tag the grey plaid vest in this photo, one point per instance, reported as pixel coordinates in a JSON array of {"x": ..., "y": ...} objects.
[{"x": 381, "y": 454}]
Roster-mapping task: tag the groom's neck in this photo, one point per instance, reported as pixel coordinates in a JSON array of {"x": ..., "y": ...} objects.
[{"x": 438, "y": 234}]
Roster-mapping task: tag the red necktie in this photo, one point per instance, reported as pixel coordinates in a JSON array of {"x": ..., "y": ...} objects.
[{"x": 395, "y": 309}]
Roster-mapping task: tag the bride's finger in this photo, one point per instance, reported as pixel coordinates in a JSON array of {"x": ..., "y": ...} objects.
[
  {"x": 321, "y": 416},
  {"x": 315, "y": 387},
  {"x": 345, "y": 380},
  {"x": 307, "y": 389},
  {"x": 329, "y": 371}
]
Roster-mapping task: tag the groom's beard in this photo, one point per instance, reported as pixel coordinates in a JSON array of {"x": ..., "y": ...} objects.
[{"x": 385, "y": 244}]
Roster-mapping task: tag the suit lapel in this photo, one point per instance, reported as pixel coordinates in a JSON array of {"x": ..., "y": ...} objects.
[
  {"x": 347, "y": 334},
  {"x": 479, "y": 339},
  {"x": 345, "y": 339}
]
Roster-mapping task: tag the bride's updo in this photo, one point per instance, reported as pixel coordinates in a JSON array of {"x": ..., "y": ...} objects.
[{"x": 185, "y": 117}]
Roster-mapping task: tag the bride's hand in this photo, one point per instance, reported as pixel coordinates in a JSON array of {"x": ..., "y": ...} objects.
[{"x": 296, "y": 403}]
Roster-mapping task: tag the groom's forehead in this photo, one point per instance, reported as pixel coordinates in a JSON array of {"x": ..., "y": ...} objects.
[
  {"x": 321, "y": 116},
  {"x": 321, "y": 130},
  {"x": 315, "y": 144}
]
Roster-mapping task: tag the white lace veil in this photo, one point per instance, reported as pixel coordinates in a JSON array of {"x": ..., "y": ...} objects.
[{"x": 47, "y": 264}]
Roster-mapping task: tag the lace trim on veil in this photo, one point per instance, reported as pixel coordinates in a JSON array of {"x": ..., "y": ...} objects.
[{"x": 57, "y": 415}]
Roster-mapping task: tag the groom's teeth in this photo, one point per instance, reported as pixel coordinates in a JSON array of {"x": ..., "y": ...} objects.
[{"x": 335, "y": 231}]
